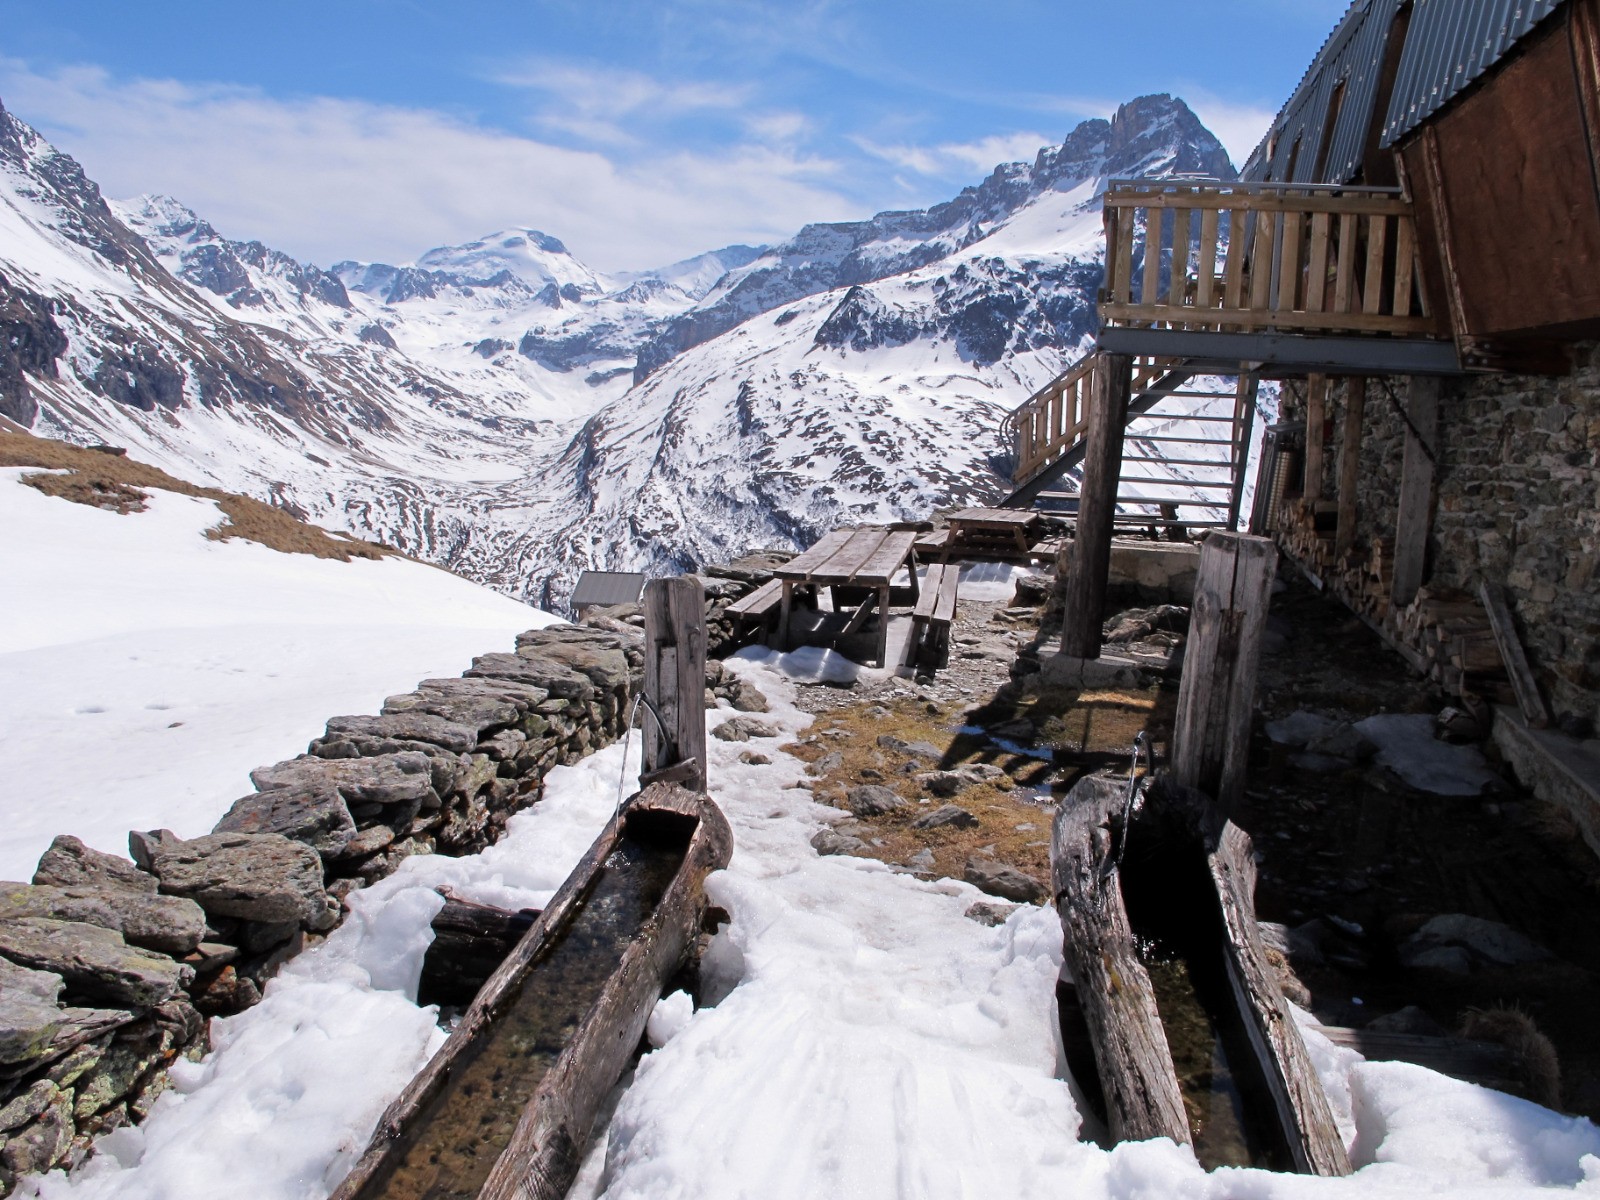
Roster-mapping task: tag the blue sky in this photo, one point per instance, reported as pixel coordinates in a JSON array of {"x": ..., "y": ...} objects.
[{"x": 636, "y": 132}]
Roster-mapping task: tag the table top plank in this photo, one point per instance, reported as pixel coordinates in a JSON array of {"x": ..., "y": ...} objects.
[
  {"x": 993, "y": 516},
  {"x": 802, "y": 565},
  {"x": 885, "y": 562},
  {"x": 848, "y": 560},
  {"x": 870, "y": 557}
]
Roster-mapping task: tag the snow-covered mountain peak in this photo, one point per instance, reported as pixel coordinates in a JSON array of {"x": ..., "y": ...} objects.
[{"x": 535, "y": 258}]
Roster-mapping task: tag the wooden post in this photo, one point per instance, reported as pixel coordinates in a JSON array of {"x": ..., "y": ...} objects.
[
  {"x": 1316, "y": 396},
  {"x": 1097, "y": 506},
  {"x": 1244, "y": 417},
  {"x": 1417, "y": 480},
  {"x": 1216, "y": 697},
  {"x": 675, "y": 682},
  {"x": 1355, "y": 398}
]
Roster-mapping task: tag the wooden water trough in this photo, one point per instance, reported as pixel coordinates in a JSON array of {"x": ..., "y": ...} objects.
[
  {"x": 1170, "y": 980},
  {"x": 505, "y": 1108}
]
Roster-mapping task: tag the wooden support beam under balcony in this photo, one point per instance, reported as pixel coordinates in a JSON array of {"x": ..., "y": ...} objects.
[{"x": 1296, "y": 277}]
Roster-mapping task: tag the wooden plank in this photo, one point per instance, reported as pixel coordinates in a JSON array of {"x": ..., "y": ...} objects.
[
  {"x": 1349, "y": 463},
  {"x": 843, "y": 565},
  {"x": 1207, "y": 263},
  {"x": 859, "y": 617},
  {"x": 1178, "y": 281},
  {"x": 1233, "y": 269},
  {"x": 1272, "y": 318},
  {"x": 1488, "y": 1064},
  {"x": 944, "y": 610},
  {"x": 1124, "y": 260},
  {"x": 1344, "y": 280},
  {"x": 759, "y": 603},
  {"x": 1149, "y": 292},
  {"x": 1261, "y": 263},
  {"x": 1244, "y": 414},
  {"x": 883, "y": 626},
  {"x": 1289, "y": 263},
  {"x": 675, "y": 678},
  {"x": 885, "y": 561},
  {"x": 1317, "y": 264},
  {"x": 931, "y": 584},
  {"x": 1372, "y": 293},
  {"x": 1354, "y": 204},
  {"x": 1091, "y": 557},
  {"x": 1316, "y": 395},
  {"x": 1417, "y": 484},
  {"x": 1112, "y": 217},
  {"x": 780, "y": 635},
  {"x": 1132, "y": 1056},
  {"x": 1511, "y": 653},
  {"x": 993, "y": 516},
  {"x": 1405, "y": 263},
  {"x": 801, "y": 565},
  {"x": 1216, "y": 696}
]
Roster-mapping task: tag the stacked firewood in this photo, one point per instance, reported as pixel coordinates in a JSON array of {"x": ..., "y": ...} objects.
[{"x": 1444, "y": 633}]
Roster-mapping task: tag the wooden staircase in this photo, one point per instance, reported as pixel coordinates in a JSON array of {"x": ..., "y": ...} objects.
[{"x": 1181, "y": 468}]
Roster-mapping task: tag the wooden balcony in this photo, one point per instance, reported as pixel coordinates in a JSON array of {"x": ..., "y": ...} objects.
[{"x": 1263, "y": 258}]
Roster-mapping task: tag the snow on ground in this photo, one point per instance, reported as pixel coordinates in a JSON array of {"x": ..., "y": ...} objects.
[
  {"x": 145, "y": 670},
  {"x": 866, "y": 1040}
]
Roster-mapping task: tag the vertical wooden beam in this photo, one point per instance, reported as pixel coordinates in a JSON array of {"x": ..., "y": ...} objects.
[
  {"x": 1097, "y": 503},
  {"x": 1418, "y": 478},
  {"x": 1244, "y": 418},
  {"x": 1355, "y": 399},
  {"x": 1316, "y": 397},
  {"x": 1216, "y": 697},
  {"x": 675, "y": 680}
]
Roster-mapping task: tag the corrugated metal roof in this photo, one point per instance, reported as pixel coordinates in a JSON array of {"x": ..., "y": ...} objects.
[
  {"x": 1352, "y": 56},
  {"x": 606, "y": 588},
  {"x": 1450, "y": 44}
]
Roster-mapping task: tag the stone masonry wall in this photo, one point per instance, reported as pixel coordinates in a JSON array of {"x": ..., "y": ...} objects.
[
  {"x": 1518, "y": 502},
  {"x": 109, "y": 968}
]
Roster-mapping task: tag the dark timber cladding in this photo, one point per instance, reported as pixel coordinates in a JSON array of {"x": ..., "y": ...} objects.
[{"x": 1505, "y": 187}]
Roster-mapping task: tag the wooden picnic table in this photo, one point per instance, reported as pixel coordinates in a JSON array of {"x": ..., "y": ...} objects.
[
  {"x": 976, "y": 531},
  {"x": 845, "y": 560}
]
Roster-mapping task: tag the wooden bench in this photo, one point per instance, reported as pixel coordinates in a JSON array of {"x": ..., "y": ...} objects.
[
  {"x": 759, "y": 606},
  {"x": 928, "y": 647}
]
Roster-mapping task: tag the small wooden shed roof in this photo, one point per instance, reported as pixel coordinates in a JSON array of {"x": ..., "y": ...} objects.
[{"x": 605, "y": 588}]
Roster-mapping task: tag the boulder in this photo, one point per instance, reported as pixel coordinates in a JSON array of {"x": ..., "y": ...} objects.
[
  {"x": 252, "y": 876},
  {"x": 422, "y": 732},
  {"x": 951, "y": 815},
  {"x": 392, "y": 780},
  {"x": 1006, "y": 882},
  {"x": 827, "y": 841},
  {"x": 30, "y": 1013},
  {"x": 316, "y": 815},
  {"x": 167, "y": 923},
  {"x": 748, "y": 698},
  {"x": 871, "y": 800},
  {"x": 1455, "y": 942},
  {"x": 742, "y": 729},
  {"x": 93, "y": 960},
  {"x": 482, "y": 703},
  {"x": 69, "y": 863}
]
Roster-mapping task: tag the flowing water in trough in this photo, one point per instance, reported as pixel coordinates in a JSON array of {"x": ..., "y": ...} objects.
[
  {"x": 1178, "y": 936},
  {"x": 449, "y": 1148}
]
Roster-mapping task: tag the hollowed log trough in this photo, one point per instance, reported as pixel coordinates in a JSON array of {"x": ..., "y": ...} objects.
[
  {"x": 1097, "y": 837},
  {"x": 552, "y": 1030}
]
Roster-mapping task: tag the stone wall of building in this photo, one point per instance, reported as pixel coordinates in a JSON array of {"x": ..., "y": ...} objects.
[{"x": 1518, "y": 502}]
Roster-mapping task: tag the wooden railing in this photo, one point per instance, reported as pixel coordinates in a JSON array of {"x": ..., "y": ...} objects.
[
  {"x": 1054, "y": 418},
  {"x": 1247, "y": 257}
]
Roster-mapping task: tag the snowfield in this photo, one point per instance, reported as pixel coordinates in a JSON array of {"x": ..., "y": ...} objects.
[
  {"x": 865, "y": 1040},
  {"x": 146, "y": 670}
]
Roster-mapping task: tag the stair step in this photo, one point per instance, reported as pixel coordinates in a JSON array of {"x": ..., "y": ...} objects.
[
  {"x": 1165, "y": 416},
  {"x": 1163, "y": 437},
  {"x": 1180, "y": 462},
  {"x": 1176, "y": 502},
  {"x": 1191, "y": 483}
]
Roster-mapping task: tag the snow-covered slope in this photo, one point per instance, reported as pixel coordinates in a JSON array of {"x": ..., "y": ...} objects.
[
  {"x": 475, "y": 408},
  {"x": 146, "y": 670}
]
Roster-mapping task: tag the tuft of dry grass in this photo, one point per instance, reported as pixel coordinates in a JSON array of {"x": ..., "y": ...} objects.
[
  {"x": 1531, "y": 1051},
  {"x": 121, "y": 484}
]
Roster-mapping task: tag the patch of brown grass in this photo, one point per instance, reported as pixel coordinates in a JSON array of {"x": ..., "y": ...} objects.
[
  {"x": 1013, "y": 826},
  {"x": 122, "y": 484}
]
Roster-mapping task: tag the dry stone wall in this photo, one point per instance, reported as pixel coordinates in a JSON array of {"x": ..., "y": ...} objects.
[
  {"x": 1518, "y": 502},
  {"x": 109, "y": 968}
]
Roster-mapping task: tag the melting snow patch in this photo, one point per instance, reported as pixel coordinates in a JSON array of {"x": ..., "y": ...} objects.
[{"x": 1406, "y": 746}]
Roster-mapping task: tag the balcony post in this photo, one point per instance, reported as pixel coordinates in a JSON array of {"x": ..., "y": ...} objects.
[
  {"x": 1417, "y": 478},
  {"x": 1097, "y": 504}
]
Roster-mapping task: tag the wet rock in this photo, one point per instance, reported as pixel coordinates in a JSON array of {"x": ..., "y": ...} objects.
[
  {"x": 166, "y": 923},
  {"x": 986, "y": 912},
  {"x": 1006, "y": 882},
  {"x": 826, "y": 841},
  {"x": 742, "y": 729},
  {"x": 871, "y": 800},
  {"x": 69, "y": 863},
  {"x": 252, "y": 876},
  {"x": 93, "y": 960},
  {"x": 1456, "y": 942}
]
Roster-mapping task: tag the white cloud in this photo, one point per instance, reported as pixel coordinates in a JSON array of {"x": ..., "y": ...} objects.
[
  {"x": 599, "y": 104},
  {"x": 949, "y": 159},
  {"x": 328, "y": 178}
]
